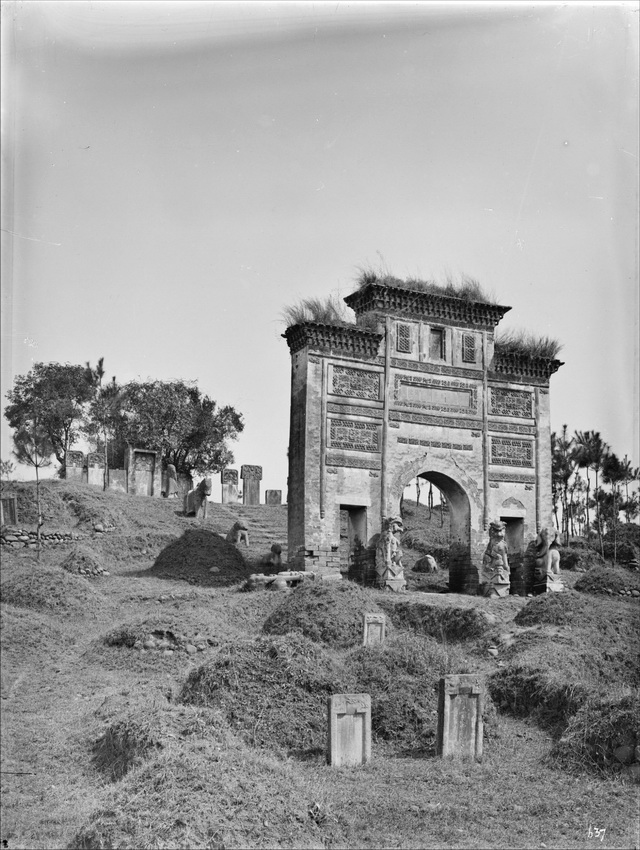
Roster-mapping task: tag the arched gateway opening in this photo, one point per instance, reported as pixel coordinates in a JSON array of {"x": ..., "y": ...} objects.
[{"x": 463, "y": 574}]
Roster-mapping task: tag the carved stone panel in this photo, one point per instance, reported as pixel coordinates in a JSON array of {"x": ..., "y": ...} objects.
[
  {"x": 403, "y": 338},
  {"x": 230, "y": 476},
  {"x": 354, "y": 436},
  {"x": 508, "y": 452},
  {"x": 355, "y": 383},
  {"x": 506, "y": 402},
  {"x": 273, "y": 497},
  {"x": 249, "y": 471},
  {"x": 433, "y": 394},
  {"x": 468, "y": 348}
]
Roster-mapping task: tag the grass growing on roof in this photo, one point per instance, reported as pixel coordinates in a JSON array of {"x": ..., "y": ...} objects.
[
  {"x": 466, "y": 288},
  {"x": 525, "y": 344},
  {"x": 325, "y": 311}
]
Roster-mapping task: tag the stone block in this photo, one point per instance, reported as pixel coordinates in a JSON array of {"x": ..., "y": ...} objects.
[
  {"x": 251, "y": 476},
  {"x": 229, "y": 478},
  {"x": 460, "y": 726},
  {"x": 118, "y": 480},
  {"x": 349, "y": 738},
  {"x": 273, "y": 497},
  {"x": 374, "y": 628}
]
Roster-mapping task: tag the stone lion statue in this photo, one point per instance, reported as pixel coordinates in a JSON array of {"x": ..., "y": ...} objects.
[
  {"x": 195, "y": 501},
  {"x": 238, "y": 533}
]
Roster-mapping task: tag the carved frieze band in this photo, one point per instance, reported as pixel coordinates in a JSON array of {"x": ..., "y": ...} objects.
[
  {"x": 509, "y": 428},
  {"x": 512, "y": 477},
  {"x": 425, "y": 419},
  {"x": 355, "y": 383},
  {"x": 506, "y": 402},
  {"x": 354, "y": 436},
  {"x": 444, "y": 396},
  {"x": 507, "y": 452},
  {"x": 434, "y": 368},
  {"x": 355, "y": 462},
  {"x": 354, "y": 410},
  {"x": 436, "y": 444}
]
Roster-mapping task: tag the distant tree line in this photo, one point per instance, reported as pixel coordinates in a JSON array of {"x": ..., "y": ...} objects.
[
  {"x": 53, "y": 407},
  {"x": 592, "y": 487}
]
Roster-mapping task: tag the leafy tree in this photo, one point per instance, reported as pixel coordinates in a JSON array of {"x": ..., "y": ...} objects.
[
  {"x": 630, "y": 474},
  {"x": 7, "y": 468},
  {"x": 590, "y": 452},
  {"x": 62, "y": 392},
  {"x": 33, "y": 446},
  {"x": 613, "y": 473},
  {"x": 189, "y": 429},
  {"x": 562, "y": 468}
]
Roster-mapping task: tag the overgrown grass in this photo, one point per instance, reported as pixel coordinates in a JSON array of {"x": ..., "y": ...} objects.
[
  {"x": 326, "y": 612},
  {"x": 325, "y": 311},
  {"x": 607, "y": 579},
  {"x": 526, "y": 344},
  {"x": 51, "y": 589},
  {"x": 466, "y": 288},
  {"x": 596, "y": 731},
  {"x": 446, "y": 623}
]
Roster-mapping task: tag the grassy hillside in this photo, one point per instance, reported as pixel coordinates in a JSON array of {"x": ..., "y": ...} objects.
[{"x": 158, "y": 704}]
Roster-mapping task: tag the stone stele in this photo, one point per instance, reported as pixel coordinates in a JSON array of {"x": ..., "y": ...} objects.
[
  {"x": 349, "y": 739},
  {"x": 374, "y": 627},
  {"x": 460, "y": 702}
]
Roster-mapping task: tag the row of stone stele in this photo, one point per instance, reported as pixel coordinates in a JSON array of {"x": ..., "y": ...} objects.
[{"x": 460, "y": 727}]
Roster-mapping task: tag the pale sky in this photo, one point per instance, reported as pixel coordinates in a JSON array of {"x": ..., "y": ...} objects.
[{"x": 175, "y": 173}]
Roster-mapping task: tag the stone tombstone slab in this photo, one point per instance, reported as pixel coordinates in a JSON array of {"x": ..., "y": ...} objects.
[
  {"x": 95, "y": 469},
  {"x": 460, "y": 706},
  {"x": 251, "y": 476},
  {"x": 73, "y": 466},
  {"x": 117, "y": 480},
  {"x": 349, "y": 739},
  {"x": 273, "y": 497},
  {"x": 229, "y": 478},
  {"x": 374, "y": 628}
]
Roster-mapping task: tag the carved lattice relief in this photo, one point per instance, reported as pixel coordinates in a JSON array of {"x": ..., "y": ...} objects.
[
  {"x": 504, "y": 402},
  {"x": 468, "y": 348},
  {"x": 352, "y": 462},
  {"x": 403, "y": 339},
  {"x": 354, "y": 410},
  {"x": 354, "y": 436},
  {"x": 508, "y": 452},
  {"x": 355, "y": 383},
  {"x": 396, "y": 416}
]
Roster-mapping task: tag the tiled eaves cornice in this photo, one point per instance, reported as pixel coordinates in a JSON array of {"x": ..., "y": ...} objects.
[
  {"x": 399, "y": 301},
  {"x": 347, "y": 339},
  {"x": 523, "y": 366}
]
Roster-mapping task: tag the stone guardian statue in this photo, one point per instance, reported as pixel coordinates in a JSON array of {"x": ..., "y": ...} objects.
[
  {"x": 495, "y": 573},
  {"x": 389, "y": 569}
]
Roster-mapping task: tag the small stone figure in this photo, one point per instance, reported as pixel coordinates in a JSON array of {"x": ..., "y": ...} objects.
[
  {"x": 389, "y": 569},
  {"x": 494, "y": 574},
  {"x": 274, "y": 559},
  {"x": 547, "y": 569},
  {"x": 195, "y": 501},
  {"x": 238, "y": 533},
  {"x": 172, "y": 482}
]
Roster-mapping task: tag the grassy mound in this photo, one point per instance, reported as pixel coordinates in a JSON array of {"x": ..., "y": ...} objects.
[
  {"x": 602, "y": 736},
  {"x": 555, "y": 609},
  {"x": 445, "y": 623},
  {"x": 51, "y": 590},
  {"x": 580, "y": 558},
  {"x": 127, "y": 742},
  {"x": 84, "y": 561},
  {"x": 608, "y": 580},
  {"x": 273, "y": 690},
  {"x": 214, "y": 795},
  {"x": 192, "y": 557},
  {"x": 325, "y": 612},
  {"x": 402, "y": 677}
]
